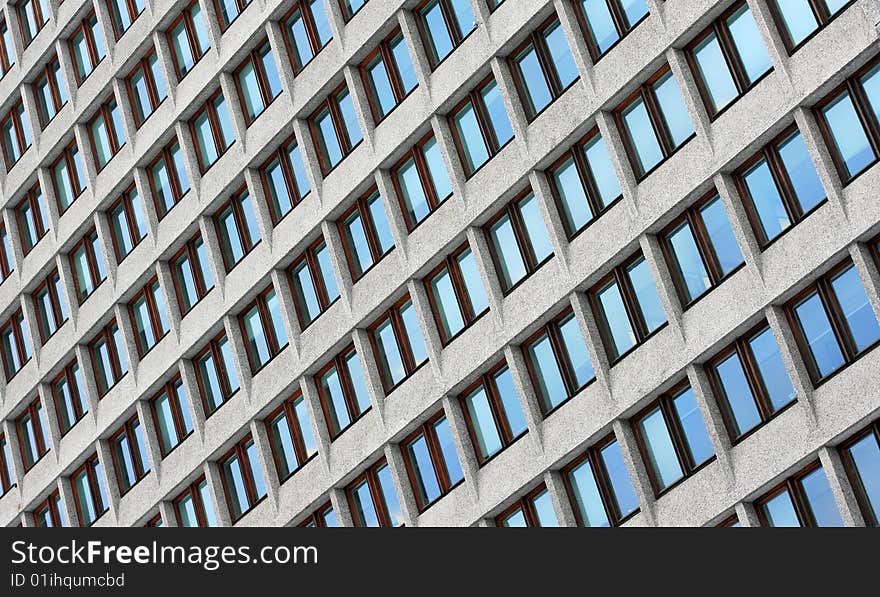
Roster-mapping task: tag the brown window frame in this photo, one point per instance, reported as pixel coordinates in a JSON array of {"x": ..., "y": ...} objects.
[
  {"x": 386, "y": 56},
  {"x": 525, "y": 504},
  {"x": 7, "y": 262},
  {"x": 127, "y": 204},
  {"x": 132, "y": 15},
  {"x": 87, "y": 243},
  {"x": 799, "y": 501},
  {"x": 33, "y": 197},
  {"x": 234, "y": 204},
  {"x": 392, "y": 314},
  {"x": 26, "y": 36},
  {"x": 855, "y": 479},
  {"x": 287, "y": 409},
  {"x": 51, "y": 504},
  {"x": 6, "y": 61},
  {"x": 310, "y": 257},
  {"x": 15, "y": 115},
  {"x": 213, "y": 347},
  {"x": 190, "y": 251},
  {"x": 282, "y": 154},
  {"x": 317, "y": 519},
  {"x": 166, "y": 158},
  {"x": 338, "y": 362},
  {"x": 106, "y": 334},
  {"x": 731, "y": 57},
  {"x": 189, "y": 27},
  {"x": 7, "y": 475},
  {"x": 438, "y": 461},
  {"x": 155, "y": 101},
  {"x": 256, "y": 60},
  {"x": 155, "y": 319},
  {"x": 645, "y": 91},
  {"x": 52, "y": 82},
  {"x": 417, "y": 154},
  {"x": 311, "y": 29},
  {"x": 347, "y": 15},
  {"x": 155, "y": 522},
  {"x": 49, "y": 285},
  {"x": 468, "y": 316},
  {"x": 192, "y": 490},
  {"x": 380, "y": 503},
  {"x": 456, "y": 35},
  {"x": 67, "y": 155},
  {"x": 91, "y": 46},
  {"x": 823, "y": 19},
  {"x": 496, "y": 406},
  {"x": 332, "y": 105},
  {"x": 267, "y": 326},
  {"x": 169, "y": 389},
  {"x": 619, "y": 18},
  {"x": 15, "y": 324},
  {"x": 69, "y": 377},
  {"x": 141, "y": 470},
  {"x": 836, "y": 318},
  {"x": 241, "y": 5},
  {"x": 32, "y": 410},
  {"x": 88, "y": 467},
  {"x": 361, "y": 207},
  {"x": 239, "y": 451},
  {"x": 474, "y": 97},
  {"x": 216, "y": 132},
  {"x": 783, "y": 183},
  {"x": 104, "y": 113}
]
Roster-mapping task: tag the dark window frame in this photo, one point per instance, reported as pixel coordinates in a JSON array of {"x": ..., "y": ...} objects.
[
  {"x": 165, "y": 158},
  {"x": 377, "y": 495},
  {"x": 792, "y": 485},
  {"x": 361, "y": 207},
  {"x": 67, "y": 155},
  {"x": 331, "y": 105},
  {"x": 49, "y": 285},
  {"x": 255, "y": 58},
  {"x": 125, "y": 202},
  {"x": 620, "y": 24},
  {"x": 155, "y": 318},
  {"x": 216, "y": 131},
  {"x": 51, "y": 505},
  {"x": 474, "y": 98},
  {"x": 104, "y": 113},
  {"x": 169, "y": 389},
  {"x": 282, "y": 155},
  {"x": 384, "y": 53},
  {"x": 118, "y": 32},
  {"x": 240, "y": 5},
  {"x": 15, "y": 115},
  {"x": 526, "y": 505},
  {"x": 106, "y": 334},
  {"x": 192, "y": 490},
  {"x": 456, "y": 35},
  {"x": 287, "y": 409},
  {"x": 213, "y": 347},
  {"x": 309, "y": 256},
  {"x": 438, "y": 461},
  {"x": 32, "y": 198},
  {"x": 275, "y": 348},
  {"x": 33, "y": 410},
  {"x": 69, "y": 377},
  {"x": 339, "y": 363},
  {"x": 143, "y": 65},
  {"x": 88, "y": 467},
  {"x": 7, "y": 475},
  {"x": 348, "y": 15},
  {"x": 462, "y": 297},
  {"x": 311, "y": 29},
  {"x": 87, "y": 244},
  {"x": 14, "y": 324},
  {"x": 190, "y": 252},
  {"x": 27, "y": 37},
  {"x": 317, "y": 519},
  {"x": 86, "y": 28},
  {"x": 392, "y": 314},
  {"x": 417, "y": 154},
  {"x": 823, "y": 19},
  {"x": 6, "y": 61},
  {"x": 48, "y": 72},
  {"x": 189, "y": 26},
  {"x": 855, "y": 478},
  {"x": 141, "y": 470},
  {"x": 234, "y": 205},
  {"x": 239, "y": 452}
]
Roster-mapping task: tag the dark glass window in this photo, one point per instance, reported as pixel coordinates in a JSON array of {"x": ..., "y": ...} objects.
[
  {"x": 599, "y": 486},
  {"x": 87, "y": 264},
  {"x": 237, "y": 228},
  {"x": 421, "y": 181},
  {"x": 68, "y": 391},
  {"x": 68, "y": 176},
  {"x": 33, "y": 218},
  {"x": 290, "y": 432},
  {"x": 108, "y": 357},
  {"x": 803, "y": 500},
  {"x": 228, "y": 10},
  {"x": 535, "y": 509},
  {"x": 284, "y": 180},
  {"x": 313, "y": 282},
  {"x": 861, "y": 455},
  {"x": 398, "y": 343},
  {"x": 263, "y": 329},
  {"x": 257, "y": 81},
  {"x": 128, "y": 223},
  {"x": 50, "y": 305},
  {"x": 799, "y": 20},
  {"x": 33, "y": 434},
  {"x": 194, "y": 506},
  {"x": 15, "y": 344},
  {"x": 343, "y": 391},
  {"x": 146, "y": 87},
  {"x": 171, "y": 415},
  {"x": 323, "y": 517},
  {"x": 7, "y": 480},
  {"x": 7, "y": 264},
  {"x": 388, "y": 75},
  {"x": 335, "y": 128},
  {"x": 188, "y": 39},
  {"x": 351, "y": 7},
  {"x": 444, "y": 25},
  {"x": 87, "y": 47},
  {"x": 431, "y": 461},
  {"x": 168, "y": 180},
  {"x": 606, "y": 22},
  {"x": 518, "y": 240},
  {"x": 33, "y": 16},
  {"x": 49, "y": 88},
  {"x": 88, "y": 491},
  {"x": 148, "y": 316},
  {"x": 242, "y": 478},
  {"x": 7, "y": 50},
  {"x": 129, "y": 449},
  {"x": 106, "y": 133},
  {"x": 366, "y": 236},
  {"x": 307, "y": 31},
  {"x": 216, "y": 374},
  {"x": 50, "y": 513},
  {"x": 123, "y": 13},
  {"x": 372, "y": 498},
  {"x": 493, "y": 413},
  {"x": 15, "y": 134},
  {"x": 192, "y": 275},
  {"x": 212, "y": 130},
  {"x": 480, "y": 126},
  {"x": 456, "y": 293}
]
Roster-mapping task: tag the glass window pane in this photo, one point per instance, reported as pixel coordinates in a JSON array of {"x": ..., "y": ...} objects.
[
  {"x": 346, "y": 107},
  {"x": 587, "y": 496},
  {"x": 780, "y": 511},
  {"x": 435, "y": 24},
  {"x": 602, "y": 170},
  {"x": 536, "y": 87},
  {"x": 307, "y": 299},
  {"x": 475, "y": 151},
  {"x": 511, "y": 265},
  {"x": 739, "y": 395},
  {"x": 673, "y": 109},
  {"x": 575, "y": 207},
  {"x": 330, "y": 144},
  {"x": 866, "y": 460},
  {"x": 544, "y": 510},
  {"x": 437, "y": 169},
  {"x": 801, "y": 171},
  {"x": 472, "y": 283},
  {"x": 485, "y": 430},
  {"x": 423, "y": 469},
  {"x": 749, "y": 44},
  {"x": 721, "y": 235},
  {"x": 695, "y": 435},
  {"x": 509, "y": 399},
  {"x": 821, "y": 500},
  {"x": 577, "y": 350},
  {"x": 387, "y": 487},
  {"x": 380, "y": 85},
  {"x": 497, "y": 113},
  {"x": 622, "y": 334},
  {"x": 600, "y": 23},
  {"x": 322, "y": 25},
  {"x": 550, "y": 381},
  {"x": 715, "y": 72},
  {"x": 646, "y": 293},
  {"x": 250, "y": 90},
  {"x": 447, "y": 303},
  {"x": 849, "y": 136},
  {"x": 389, "y": 354},
  {"x": 856, "y": 308},
  {"x": 305, "y": 426},
  {"x": 820, "y": 337},
  {"x": 566, "y": 69},
  {"x": 798, "y": 18},
  {"x": 404, "y": 65},
  {"x": 772, "y": 369},
  {"x": 621, "y": 485},
  {"x": 534, "y": 224},
  {"x": 767, "y": 200},
  {"x": 332, "y": 388},
  {"x": 414, "y": 334},
  {"x": 641, "y": 135},
  {"x": 356, "y": 374},
  {"x": 323, "y": 256},
  {"x": 690, "y": 262},
  {"x": 660, "y": 449}
]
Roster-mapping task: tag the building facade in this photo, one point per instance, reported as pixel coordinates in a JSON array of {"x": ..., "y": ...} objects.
[{"x": 443, "y": 262}]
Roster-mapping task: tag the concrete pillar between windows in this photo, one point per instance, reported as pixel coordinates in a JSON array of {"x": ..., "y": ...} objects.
[
  {"x": 166, "y": 62},
  {"x": 169, "y": 295},
  {"x": 47, "y": 188},
  {"x": 715, "y": 427},
  {"x": 527, "y": 394},
  {"x": 128, "y": 338},
  {"x": 309, "y": 388},
  {"x": 84, "y": 357},
  {"x": 467, "y": 456},
  {"x": 869, "y": 274},
  {"x": 396, "y": 221},
  {"x": 215, "y": 254},
  {"x": 68, "y": 502},
  {"x": 339, "y": 501},
  {"x": 239, "y": 355},
  {"x": 739, "y": 222},
  {"x": 69, "y": 285},
  {"x": 361, "y": 102},
  {"x": 309, "y": 153},
  {"x": 105, "y": 459},
  {"x": 260, "y": 204},
  {"x": 821, "y": 156},
  {"x": 141, "y": 178},
  {"x": 629, "y": 448},
  {"x": 10, "y": 432},
  {"x": 552, "y": 218},
  {"x": 623, "y": 169},
  {"x": 31, "y": 114},
  {"x": 275, "y": 33},
  {"x": 747, "y": 515},
  {"x": 409, "y": 26},
  {"x": 559, "y": 497},
  {"x": 151, "y": 436},
  {"x": 10, "y": 222},
  {"x": 193, "y": 398},
  {"x": 370, "y": 368},
  {"x": 89, "y": 160},
  {"x": 479, "y": 246},
  {"x": 772, "y": 38},
  {"x": 425, "y": 317},
  {"x": 451, "y": 159},
  {"x": 690, "y": 94},
  {"x": 44, "y": 393},
  {"x": 126, "y": 111},
  {"x": 212, "y": 23},
  {"x": 188, "y": 151},
  {"x": 68, "y": 70},
  {"x": 794, "y": 363},
  {"x": 337, "y": 259},
  {"x": 515, "y": 110},
  {"x": 105, "y": 235},
  {"x": 169, "y": 516},
  {"x": 657, "y": 8},
  {"x": 32, "y": 333},
  {"x": 235, "y": 109},
  {"x": 14, "y": 25},
  {"x": 105, "y": 19},
  {"x": 669, "y": 298},
  {"x": 281, "y": 285},
  {"x": 267, "y": 462},
  {"x": 409, "y": 511},
  {"x": 577, "y": 43},
  {"x": 841, "y": 488},
  {"x": 593, "y": 339},
  {"x": 218, "y": 496},
  {"x": 26, "y": 520}
]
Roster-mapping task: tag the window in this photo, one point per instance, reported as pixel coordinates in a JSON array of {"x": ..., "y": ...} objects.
[
  {"x": 191, "y": 271},
  {"x": 307, "y": 31},
  {"x": 15, "y": 343},
  {"x": 583, "y": 183},
  {"x": 50, "y": 90},
  {"x": 543, "y": 67},
  {"x": 106, "y": 133},
  {"x": 168, "y": 179},
  {"x": 606, "y": 22},
  {"x": 68, "y": 391},
  {"x": 33, "y": 218},
  {"x": 32, "y": 15},
  {"x": 216, "y": 374},
  {"x": 237, "y": 228},
  {"x": 861, "y": 455},
  {"x": 87, "y": 47},
  {"x": 728, "y": 58},
  {"x": 750, "y": 378},
  {"x": 343, "y": 391},
  {"x": 257, "y": 81},
  {"x": 421, "y": 181},
  {"x": 444, "y": 25},
  {"x": 68, "y": 176},
  {"x": 799, "y": 20},
  {"x": 50, "y": 306},
  {"x": 803, "y": 500},
  {"x": 123, "y": 13},
  {"x": 480, "y": 126},
  {"x": 88, "y": 491},
  {"x": 33, "y": 434},
  {"x": 372, "y": 498},
  {"x": 50, "y": 513},
  {"x": 335, "y": 129},
  {"x": 850, "y": 122},
  {"x": 194, "y": 506},
  {"x": 188, "y": 39},
  {"x": 314, "y": 286},
  {"x": 87, "y": 264},
  {"x": 146, "y": 89},
  {"x": 388, "y": 75},
  {"x": 323, "y": 517},
  {"x": 456, "y": 294},
  {"x": 779, "y": 186},
  {"x": 155, "y": 522},
  {"x": 171, "y": 415},
  {"x": 129, "y": 449},
  {"x": 148, "y": 314},
  {"x": 431, "y": 461},
  {"x": 128, "y": 224},
  {"x": 518, "y": 240},
  {"x": 493, "y": 413},
  {"x": 833, "y": 322},
  {"x": 654, "y": 123},
  {"x": 284, "y": 180},
  {"x": 366, "y": 236},
  {"x": 212, "y": 130},
  {"x": 558, "y": 362},
  {"x": 7, "y": 265},
  {"x": 16, "y": 135},
  {"x": 351, "y": 7},
  {"x": 108, "y": 357},
  {"x": 533, "y": 510},
  {"x": 290, "y": 432},
  {"x": 599, "y": 486},
  {"x": 672, "y": 438},
  {"x": 7, "y": 51},
  {"x": 242, "y": 478},
  {"x": 7, "y": 480},
  {"x": 701, "y": 249},
  {"x": 228, "y": 10},
  {"x": 398, "y": 343},
  {"x": 263, "y": 329},
  {"x": 627, "y": 307}
]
